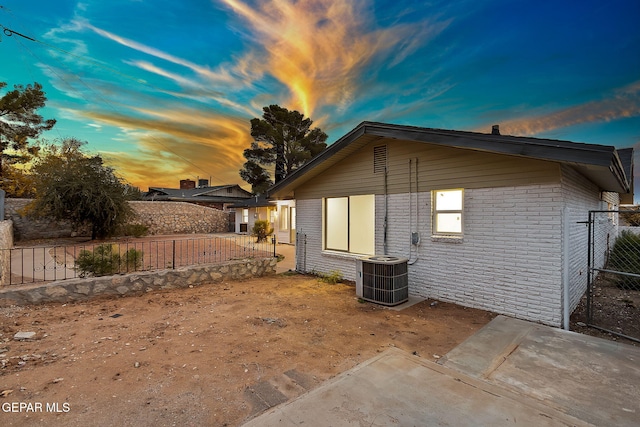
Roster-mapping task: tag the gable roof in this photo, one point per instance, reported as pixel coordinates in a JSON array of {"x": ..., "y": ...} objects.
[{"x": 601, "y": 164}]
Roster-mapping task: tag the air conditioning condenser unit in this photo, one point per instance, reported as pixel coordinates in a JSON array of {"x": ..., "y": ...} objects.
[{"x": 383, "y": 279}]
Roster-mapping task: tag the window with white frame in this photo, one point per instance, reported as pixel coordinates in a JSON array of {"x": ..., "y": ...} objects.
[
  {"x": 349, "y": 224},
  {"x": 245, "y": 215},
  {"x": 447, "y": 211}
]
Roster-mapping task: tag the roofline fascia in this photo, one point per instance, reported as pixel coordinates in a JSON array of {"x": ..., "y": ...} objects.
[{"x": 592, "y": 153}]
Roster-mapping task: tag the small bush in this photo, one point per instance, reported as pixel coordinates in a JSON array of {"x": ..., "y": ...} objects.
[
  {"x": 261, "y": 230},
  {"x": 335, "y": 276},
  {"x": 106, "y": 260}
]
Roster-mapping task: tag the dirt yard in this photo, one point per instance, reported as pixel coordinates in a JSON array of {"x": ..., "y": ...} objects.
[
  {"x": 614, "y": 308},
  {"x": 211, "y": 355}
]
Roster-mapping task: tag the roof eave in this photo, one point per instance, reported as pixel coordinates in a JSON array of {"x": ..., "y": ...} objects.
[{"x": 599, "y": 163}]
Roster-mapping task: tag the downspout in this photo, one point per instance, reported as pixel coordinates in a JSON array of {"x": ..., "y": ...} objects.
[{"x": 565, "y": 268}]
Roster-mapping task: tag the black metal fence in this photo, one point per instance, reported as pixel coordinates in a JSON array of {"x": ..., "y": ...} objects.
[
  {"x": 613, "y": 290},
  {"x": 51, "y": 263}
]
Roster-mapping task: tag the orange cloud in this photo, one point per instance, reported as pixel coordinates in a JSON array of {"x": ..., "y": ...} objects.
[
  {"x": 625, "y": 103},
  {"x": 175, "y": 144},
  {"x": 319, "y": 49}
]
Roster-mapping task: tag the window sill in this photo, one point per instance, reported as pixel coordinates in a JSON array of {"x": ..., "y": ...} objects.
[
  {"x": 447, "y": 239},
  {"x": 344, "y": 255}
]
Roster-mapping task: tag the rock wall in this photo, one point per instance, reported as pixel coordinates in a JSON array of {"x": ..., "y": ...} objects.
[
  {"x": 135, "y": 283},
  {"x": 6, "y": 243},
  {"x": 25, "y": 228},
  {"x": 180, "y": 218},
  {"x": 159, "y": 217}
]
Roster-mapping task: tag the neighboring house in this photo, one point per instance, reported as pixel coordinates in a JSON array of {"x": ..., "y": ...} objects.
[
  {"x": 281, "y": 216},
  {"x": 482, "y": 218},
  {"x": 219, "y": 197}
]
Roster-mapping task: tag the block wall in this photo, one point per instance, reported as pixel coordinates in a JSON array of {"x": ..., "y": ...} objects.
[{"x": 508, "y": 261}]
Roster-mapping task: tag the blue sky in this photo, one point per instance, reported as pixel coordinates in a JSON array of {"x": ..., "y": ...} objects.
[{"x": 165, "y": 90}]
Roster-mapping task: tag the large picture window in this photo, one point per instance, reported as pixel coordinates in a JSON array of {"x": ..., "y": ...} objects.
[
  {"x": 447, "y": 211},
  {"x": 349, "y": 224}
]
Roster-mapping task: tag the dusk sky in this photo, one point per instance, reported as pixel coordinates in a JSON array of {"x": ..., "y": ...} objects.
[{"x": 165, "y": 90}]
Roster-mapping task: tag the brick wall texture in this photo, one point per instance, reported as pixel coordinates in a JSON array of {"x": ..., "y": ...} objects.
[{"x": 509, "y": 260}]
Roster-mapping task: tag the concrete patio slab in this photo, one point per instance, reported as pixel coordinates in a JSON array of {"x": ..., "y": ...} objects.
[
  {"x": 510, "y": 372},
  {"x": 595, "y": 380},
  {"x": 396, "y": 388}
]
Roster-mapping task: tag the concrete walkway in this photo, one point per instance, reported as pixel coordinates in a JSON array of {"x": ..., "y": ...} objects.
[
  {"x": 510, "y": 372},
  {"x": 289, "y": 261}
]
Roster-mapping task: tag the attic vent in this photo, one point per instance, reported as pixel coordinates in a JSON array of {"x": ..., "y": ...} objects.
[{"x": 380, "y": 159}]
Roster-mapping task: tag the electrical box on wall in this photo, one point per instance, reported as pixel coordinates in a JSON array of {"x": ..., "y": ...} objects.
[{"x": 415, "y": 238}]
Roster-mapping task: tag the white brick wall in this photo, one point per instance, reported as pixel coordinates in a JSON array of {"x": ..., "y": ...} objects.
[
  {"x": 509, "y": 261},
  {"x": 580, "y": 197}
]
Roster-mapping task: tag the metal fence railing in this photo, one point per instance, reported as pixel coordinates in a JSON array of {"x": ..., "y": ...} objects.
[
  {"x": 613, "y": 290},
  {"x": 52, "y": 263}
]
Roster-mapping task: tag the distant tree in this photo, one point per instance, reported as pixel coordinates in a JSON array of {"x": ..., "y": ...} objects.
[
  {"x": 79, "y": 188},
  {"x": 283, "y": 139},
  {"x": 17, "y": 182},
  {"x": 20, "y": 122},
  {"x": 257, "y": 176}
]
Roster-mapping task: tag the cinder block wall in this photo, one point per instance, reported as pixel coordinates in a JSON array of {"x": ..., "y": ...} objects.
[
  {"x": 509, "y": 260},
  {"x": 581, "y": 197}
]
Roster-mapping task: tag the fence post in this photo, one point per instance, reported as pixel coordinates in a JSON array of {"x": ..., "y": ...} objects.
[
  {"x": 173, "y": 254},
  {"x": 273, "y": 240},
  {"x": 589, "y": 265}
]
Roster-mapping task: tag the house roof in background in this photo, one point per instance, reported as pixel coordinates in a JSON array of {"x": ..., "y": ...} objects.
[
  {"x": 599, "y": 163},
  {"x": 253, "y": 202},
  {"x": 202, "y": 194}
]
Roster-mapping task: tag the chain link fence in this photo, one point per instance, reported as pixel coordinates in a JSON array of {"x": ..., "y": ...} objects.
[{"x": 613, "y": 292}]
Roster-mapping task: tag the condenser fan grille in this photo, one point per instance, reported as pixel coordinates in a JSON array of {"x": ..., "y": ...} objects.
[{"x": 385, "y": 280}]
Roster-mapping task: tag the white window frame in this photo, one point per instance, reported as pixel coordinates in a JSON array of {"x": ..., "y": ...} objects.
[
  {"x": 456, "y": 210},
  {"x": 352, "y": 221}
]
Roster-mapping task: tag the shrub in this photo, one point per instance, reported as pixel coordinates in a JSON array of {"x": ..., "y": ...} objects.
[
  {"x": 335, "y": 276},
  {"x": 261, "y": 230},
  {"x": 106, "y": 260},
  {"x": 625, "y": 257}
]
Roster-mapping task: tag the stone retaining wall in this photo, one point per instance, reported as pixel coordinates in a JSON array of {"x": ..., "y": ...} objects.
[
  {"x": 6, "y": 243},
  {"x": 180, "y": 218},
  {"x": 159, "y": 217},
  {"x": 25, "y": 228},
  {"x": 135, "y": 283}
]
